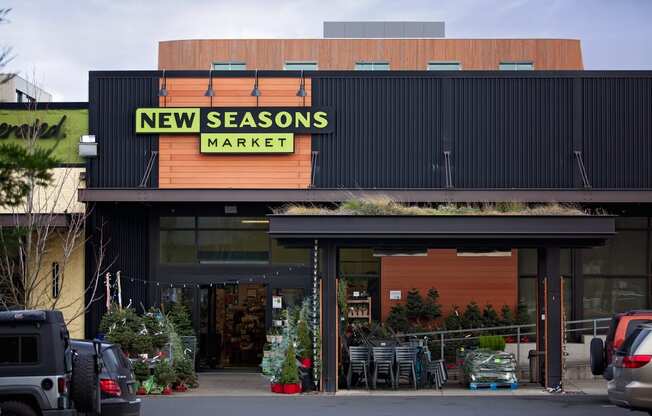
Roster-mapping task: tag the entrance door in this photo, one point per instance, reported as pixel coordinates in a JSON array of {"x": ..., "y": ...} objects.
[{"x": 232, "y": 325}]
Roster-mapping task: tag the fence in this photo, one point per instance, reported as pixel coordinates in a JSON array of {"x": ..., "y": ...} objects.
[{"x": 519, "y": 332}]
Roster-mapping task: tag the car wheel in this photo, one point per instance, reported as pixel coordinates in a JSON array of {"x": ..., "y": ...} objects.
[
  {"x": 17, "y": 409},
  {"x": 596, "y": 356},
  {"x": 85, "y": 384}
]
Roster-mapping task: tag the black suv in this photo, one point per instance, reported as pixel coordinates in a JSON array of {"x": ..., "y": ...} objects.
[
  {"x": 117, "y": 381},
  {"x": 41, "y": 373}
]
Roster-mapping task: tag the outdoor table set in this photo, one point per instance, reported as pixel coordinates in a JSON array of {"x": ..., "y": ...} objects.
[{"x": 392, "y": 364}]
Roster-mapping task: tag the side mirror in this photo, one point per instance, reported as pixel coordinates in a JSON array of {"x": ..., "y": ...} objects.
[{"x": 97, "y": 346}]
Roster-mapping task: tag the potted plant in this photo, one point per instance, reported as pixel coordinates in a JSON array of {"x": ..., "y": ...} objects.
[
  {"x": 305, "y": 344},
  {"x": 185, "y": 374},
  {"x": 290, "y": 372},
  {"x": 164, "y": 376}
]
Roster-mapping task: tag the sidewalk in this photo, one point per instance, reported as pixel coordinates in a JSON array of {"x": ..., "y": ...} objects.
[{"x": 254, "y": 384}]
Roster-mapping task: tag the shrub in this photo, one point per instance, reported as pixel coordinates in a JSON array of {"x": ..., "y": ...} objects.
[
  {"x": 141, "y": 371},
  {"x": 164, "y": 374},
  {"x": 290, "y": 370},
  {"x": 490, "y": 317},
  {"x": 185, "y": 372},
  {"x": 397, "y": 319},
  {"x": 304, "y": 340},
  {"x": 492, "y": 342},
  {"x": 472, "y": 317},
  {"x": 122, "y": 327},
  {"x": 431, "y": 308},
  {"x": 180, "y": 317}
]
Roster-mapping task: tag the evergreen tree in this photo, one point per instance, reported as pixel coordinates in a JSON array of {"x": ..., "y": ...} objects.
[
  {"x": 506, "y": 316},
  {"x": 472, "y": 316},
  {"x": 290, "y": 370},
  {"x": 431, "y": 309},
  {"x": 180, "y": 318},
  {"x": 414, "y": 305},
  {"x": 490, "y": 316},
  {"x": 397, "y": 319}
]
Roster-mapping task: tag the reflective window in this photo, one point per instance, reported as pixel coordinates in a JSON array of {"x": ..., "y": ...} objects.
[
  {"x": 19, "y": 350},
  {"x": 516, "y": 66},
  {"x": 604, "y": 296},
  {"x": 300, "y": 66},
  {"x": 230, "y": 246},
  {"x": 229, "y": 66},
  {"x": 372, "y": 66},
  {"x": 183, "y": 295},
  {"x": 283, "y": 255},
  {"x": 444, "y": 66},
  {"x": 623, "y": 255},
  {"x": 177, "y": 246},
  {"x": 527, "y": 295}
]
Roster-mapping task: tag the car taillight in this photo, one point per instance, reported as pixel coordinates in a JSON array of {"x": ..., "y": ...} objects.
[
  {"x": 110, "y": 387},
  {"x": 633, "y": 361},
  {"x": 62, "y": 385}
]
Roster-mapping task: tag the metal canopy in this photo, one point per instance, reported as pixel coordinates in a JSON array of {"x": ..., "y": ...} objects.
[{"x": 503, "y": 231}]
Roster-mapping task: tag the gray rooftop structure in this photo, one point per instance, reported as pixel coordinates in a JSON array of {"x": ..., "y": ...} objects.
[{"x": 384, "y": 30}]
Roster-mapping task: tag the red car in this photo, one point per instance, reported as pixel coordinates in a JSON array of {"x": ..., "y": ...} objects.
[{"x": 622, "y": 324}]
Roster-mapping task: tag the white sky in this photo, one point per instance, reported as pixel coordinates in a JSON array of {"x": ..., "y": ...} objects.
[{"x": 56, "y": 42}]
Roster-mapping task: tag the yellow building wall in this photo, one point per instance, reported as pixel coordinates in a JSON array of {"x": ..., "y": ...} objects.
[{"x": 72, "y": 284}]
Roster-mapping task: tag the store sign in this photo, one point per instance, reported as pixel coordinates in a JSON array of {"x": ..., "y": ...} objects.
[
  {"x": 167, "y": 120},
  {"x": 246, "y": 143},
  {"x": 39, "y": 129}
]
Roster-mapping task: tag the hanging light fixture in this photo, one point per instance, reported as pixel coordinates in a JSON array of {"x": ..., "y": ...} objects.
[
  {"x": 302, "y": 86},
  {"x": 255, "y": 92},
  {"x": 163, "y": 91},
  {"x": 209, "y": 91}
]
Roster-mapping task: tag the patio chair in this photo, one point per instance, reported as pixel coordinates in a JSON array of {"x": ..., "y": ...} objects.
[
  {"x": 383, "y": 365},
  {"x": 436, "y": 372},
  {"x": 358, "y": 364},
  {"x": 406, "y": 358}
]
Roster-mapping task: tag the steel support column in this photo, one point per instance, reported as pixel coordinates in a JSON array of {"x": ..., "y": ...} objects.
[
  {"x": 329, "y": 318},
  {"x": 549, "y": 330}
]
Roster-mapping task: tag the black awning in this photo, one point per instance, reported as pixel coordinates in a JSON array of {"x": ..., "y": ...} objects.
[{"x": 501, "y": 231}]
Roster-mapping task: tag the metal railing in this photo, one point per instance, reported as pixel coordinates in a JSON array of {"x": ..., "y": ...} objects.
[{"x": 583, "y": 327}]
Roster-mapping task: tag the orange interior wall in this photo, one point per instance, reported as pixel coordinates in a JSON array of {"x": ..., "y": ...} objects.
[
  {"x": 182, "y": 166},
  {"x": 459, "y": 280}
]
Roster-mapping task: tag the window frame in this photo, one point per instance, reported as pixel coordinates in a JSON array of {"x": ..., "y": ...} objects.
[
  {"x": 285, "y": 65},
  {"x": 230, "y": 64},
  {"x": 517, "y": 64},
  {"x": 372, "y": 63},
  {"x": 431, "y": 64}
]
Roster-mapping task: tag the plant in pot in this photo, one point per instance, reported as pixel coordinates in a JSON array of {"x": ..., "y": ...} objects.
[
  {"x": 290, "y": 373},
  {"x": 164, "y": 376},
  {"x": 185, "y": 373},
  {"x": 305, "y": 344},
  {"x": 141, "y": 372}
]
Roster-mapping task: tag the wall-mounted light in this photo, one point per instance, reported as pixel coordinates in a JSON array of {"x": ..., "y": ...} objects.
[
  {"x": 209, "y": 91},
  {"x": 256, "y": 91},
  {"x": 302, "y": 86},
  {"x": 87, "y": 146},
  {"x": 163, "y": 92}
]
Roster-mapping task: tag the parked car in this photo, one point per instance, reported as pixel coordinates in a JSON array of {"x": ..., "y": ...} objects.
[
  {"x": 622, "y": 325},
  {"x": 41, "y": 373},
  {"x": 117, "y": 381},
  {"x": 631, "y": 385}
]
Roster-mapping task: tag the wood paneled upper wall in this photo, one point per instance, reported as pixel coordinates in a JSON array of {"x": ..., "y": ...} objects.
[
  {"x": 182, "y": 166},
  {"x": 342, "y": 54}
]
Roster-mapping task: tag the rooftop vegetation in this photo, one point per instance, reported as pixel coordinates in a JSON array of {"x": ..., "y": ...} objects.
[{"x": 387, "y": 206}]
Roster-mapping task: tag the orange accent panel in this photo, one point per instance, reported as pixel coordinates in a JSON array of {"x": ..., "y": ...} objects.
[
  {"x": 182, "y": 166},
  {"x": 342, "y": 54},
  {"x": 459, "y": 280}
]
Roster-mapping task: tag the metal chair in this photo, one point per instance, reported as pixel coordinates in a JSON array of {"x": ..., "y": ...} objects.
[
  {"x": 436, "y": 372},
  {"x": 358, "y": 364},
  {"x": 383, "y": 360},
  {"x": 406, "y": 358}
]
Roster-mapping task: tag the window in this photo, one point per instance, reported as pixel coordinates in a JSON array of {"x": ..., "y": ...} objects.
[
  {"x": 223, "y": 240},
  {"x": 616, "y": 275},
  {"x": 444, "y": 66},
  {"x": 56, "y": 280},
  {"x": 300, "y": 66},
  {"x": 229, "y": 66},
  {"x": 516, "y": 66},
  {"x": 527, "y": 282},
  {"x": 22, "y": 349},
  {"x": 372, "y": 66}
]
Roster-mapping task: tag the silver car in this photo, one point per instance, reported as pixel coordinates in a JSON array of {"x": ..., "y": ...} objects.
[{"x": 631, "y": 385}]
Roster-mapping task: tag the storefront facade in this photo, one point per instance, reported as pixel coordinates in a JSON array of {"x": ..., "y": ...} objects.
[{"x": 192, "y": 226}]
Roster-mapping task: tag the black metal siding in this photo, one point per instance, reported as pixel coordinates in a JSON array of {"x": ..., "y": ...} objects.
[
  {"x": 387, "y": 133},
  {"x": 511, "y": 133},
  {"x": 122, "y": 155},
  {"x": 617, "y": 127},
  {"x": 125, "y": 234}
]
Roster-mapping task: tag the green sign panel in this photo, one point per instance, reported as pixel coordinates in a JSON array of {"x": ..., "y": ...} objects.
[
  {"x": 167, "y": 120},
  {"x": 59, "y": 129},
  {"x": 226, "y": 143}
]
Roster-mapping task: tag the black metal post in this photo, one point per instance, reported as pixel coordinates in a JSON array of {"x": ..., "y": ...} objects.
[
  {"x": 329, "y": 317},
  {"x": 549, "y": 319}
]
